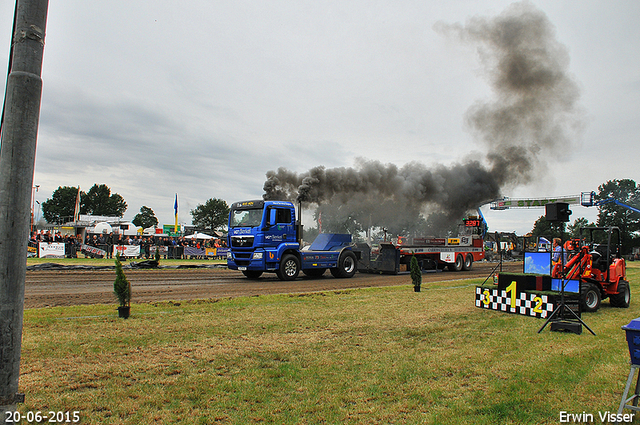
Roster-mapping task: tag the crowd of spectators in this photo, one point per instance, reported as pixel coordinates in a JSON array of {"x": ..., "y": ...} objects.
[
  {"x": 174, "y": 246},
  {"x": 71, "y": 243}
]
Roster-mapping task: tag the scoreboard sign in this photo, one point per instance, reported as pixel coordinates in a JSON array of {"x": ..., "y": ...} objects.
[
  {"x": 510, "y": 301},
  {"x": 527, "y": 295}
]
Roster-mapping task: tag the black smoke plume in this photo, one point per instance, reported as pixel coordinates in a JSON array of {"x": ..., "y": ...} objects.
[{"x": 533, "y": 118}]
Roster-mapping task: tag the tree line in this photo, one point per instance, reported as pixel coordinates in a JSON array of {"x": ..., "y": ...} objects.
[{"x": 61, "y": 207}]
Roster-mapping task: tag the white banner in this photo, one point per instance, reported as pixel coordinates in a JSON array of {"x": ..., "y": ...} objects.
[
  {"x": 50, "y": 250},
  {"x": 126, "y": 250},
  {"x": 448, "y": 257}
]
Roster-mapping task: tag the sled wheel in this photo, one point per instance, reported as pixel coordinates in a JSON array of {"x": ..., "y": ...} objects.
[
  {"x": 457, "y": 266},
  {"x": 468, "y": 263}
]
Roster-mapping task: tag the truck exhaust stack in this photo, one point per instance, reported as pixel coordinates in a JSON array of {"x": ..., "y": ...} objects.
[{"x": 299, "y": 226}]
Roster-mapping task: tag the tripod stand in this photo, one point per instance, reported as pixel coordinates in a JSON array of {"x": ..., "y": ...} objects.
[{"x": 560, "y": 321}]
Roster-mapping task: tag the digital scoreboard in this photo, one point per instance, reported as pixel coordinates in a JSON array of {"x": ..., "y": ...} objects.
[{"x": 472, "y": 222}]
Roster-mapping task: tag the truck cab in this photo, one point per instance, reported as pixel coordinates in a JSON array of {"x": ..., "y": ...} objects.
[
  {"x": 259, "y": 233},
  {"x": 264, "y": 236}
]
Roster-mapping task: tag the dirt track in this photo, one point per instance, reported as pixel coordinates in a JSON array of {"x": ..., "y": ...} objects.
[{"x": 75, "y": 287}]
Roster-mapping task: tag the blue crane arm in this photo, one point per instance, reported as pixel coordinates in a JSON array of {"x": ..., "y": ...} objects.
[
  {"x": 615, "y": 201},
  {"x": 484, "y": 222}
]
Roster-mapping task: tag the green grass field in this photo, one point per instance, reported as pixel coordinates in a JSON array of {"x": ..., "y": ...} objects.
[{"x": 384, "y": 355}]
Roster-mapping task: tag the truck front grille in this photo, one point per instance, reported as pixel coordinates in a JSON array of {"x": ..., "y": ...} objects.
[
  {"x": 242, "y": 241},
  {"x": 242, "y": 258}
]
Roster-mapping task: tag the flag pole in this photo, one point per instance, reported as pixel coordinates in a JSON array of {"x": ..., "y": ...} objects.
[
  {"x": 76, "y": 210},
  {"x": 175, "y": 208}
]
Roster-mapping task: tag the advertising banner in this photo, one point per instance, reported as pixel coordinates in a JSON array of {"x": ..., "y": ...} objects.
[
  {"x": 127, "y": 250},
  {"x": 168, "y": 229},
  {"x": 92, "y": 251},
  {"x": 217, "y": 252},
  {"x": 51, "y": 250},
  {"x": 193, "y": 251}
]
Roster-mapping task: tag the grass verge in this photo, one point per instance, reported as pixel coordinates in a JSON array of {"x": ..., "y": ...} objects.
[{"x": 379, "y": 355}]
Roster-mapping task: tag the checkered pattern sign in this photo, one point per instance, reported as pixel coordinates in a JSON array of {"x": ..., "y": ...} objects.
[{"x": 524, "y": 303}]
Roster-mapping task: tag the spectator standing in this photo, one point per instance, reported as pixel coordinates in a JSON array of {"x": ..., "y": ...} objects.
[
  {"x": 146, "y": 244},
  {"x": 109, "y": 241}
]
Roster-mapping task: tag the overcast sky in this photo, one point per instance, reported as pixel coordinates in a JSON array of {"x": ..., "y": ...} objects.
[{"x": 154, "y": 98}]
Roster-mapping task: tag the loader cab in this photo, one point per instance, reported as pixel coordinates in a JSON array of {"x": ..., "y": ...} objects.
[{"x": 604, "y": 244}]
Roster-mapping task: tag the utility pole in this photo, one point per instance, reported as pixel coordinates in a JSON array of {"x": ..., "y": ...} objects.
[{"x": 17, "y": 163}]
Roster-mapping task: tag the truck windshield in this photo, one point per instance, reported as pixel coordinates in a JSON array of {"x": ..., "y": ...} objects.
[{"x": 246, "y": 218}]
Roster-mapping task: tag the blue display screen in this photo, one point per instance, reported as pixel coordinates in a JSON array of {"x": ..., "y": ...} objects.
[
  {"x": 537, "y": 262},
  {"x": 569, "y": 285}
]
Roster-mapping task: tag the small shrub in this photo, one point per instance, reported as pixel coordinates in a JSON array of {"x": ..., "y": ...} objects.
[
  {"x": 121, "y": 286},
  {"x": 416, "y": 273}
]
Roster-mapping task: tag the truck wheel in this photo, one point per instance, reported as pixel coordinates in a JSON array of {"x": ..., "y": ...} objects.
[
  {"x": 623, "y": 297},
  {"x": 457, "y": 266},
  {"x": 468, "y": 262},
  {"x": 346, "y": 265},
  {"x": 289, "y": 267},
  {"x": 590, "y": 297},
  {"x": 252, "y": 274}
]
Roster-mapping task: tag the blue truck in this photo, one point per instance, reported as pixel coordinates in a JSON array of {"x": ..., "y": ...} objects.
[{"x": 266, "y": 236}]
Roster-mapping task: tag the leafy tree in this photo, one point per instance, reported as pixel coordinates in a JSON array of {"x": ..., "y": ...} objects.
[
  {"x": 574, "y": 229},
  {"x": 548, "y": 229},
  {"x": 146, "y": 218},
  {"x": 100, "y": 201},
  {"x": 61, "y": 206},
  {"x": 627, "y": 192},
  {"x": 212, "y": 215}
]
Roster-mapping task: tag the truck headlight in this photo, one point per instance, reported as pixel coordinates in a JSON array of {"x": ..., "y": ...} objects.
[
  {"x": 257, "y": 256},
  {"x": 229, "y": 256}
]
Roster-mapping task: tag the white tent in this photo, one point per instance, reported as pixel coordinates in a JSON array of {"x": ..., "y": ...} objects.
[
  {"x": 198, "y": 235},
  {"x": 103, "y": 227},
  {"x": 149, "y": 231},
  {"x": 128, "y": 228}
]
